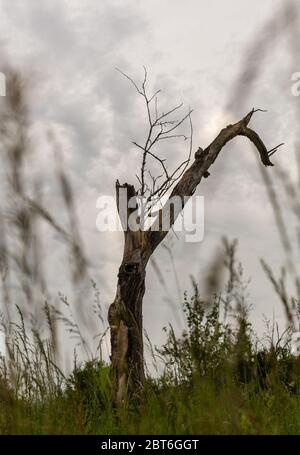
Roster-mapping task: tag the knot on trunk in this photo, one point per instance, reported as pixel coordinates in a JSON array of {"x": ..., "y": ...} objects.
[
  {"x": 131, "y": 267},
  {"x": 200, "y": 156}
]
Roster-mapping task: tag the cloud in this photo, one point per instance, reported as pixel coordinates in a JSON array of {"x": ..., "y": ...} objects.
[{"x": 193, "y": 52}]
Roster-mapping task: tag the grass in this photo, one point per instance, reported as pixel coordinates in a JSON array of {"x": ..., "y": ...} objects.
[{"x": 218, "y": 378}]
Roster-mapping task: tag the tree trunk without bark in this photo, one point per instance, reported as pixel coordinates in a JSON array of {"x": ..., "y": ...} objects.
[{"x": 125, "y": 313}]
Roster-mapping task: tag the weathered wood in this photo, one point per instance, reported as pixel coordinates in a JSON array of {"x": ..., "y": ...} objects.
[
  {"x": 188, "y": 183},
  {"x": 125, "y": 313}
]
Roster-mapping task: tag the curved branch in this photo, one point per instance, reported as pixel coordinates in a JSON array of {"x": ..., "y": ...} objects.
[
  {"x": 256, "y": 140},
  {"x": 191, "y": 178}
]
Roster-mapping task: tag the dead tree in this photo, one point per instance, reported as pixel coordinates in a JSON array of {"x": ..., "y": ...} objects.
[{"x": 125, "y": 313}]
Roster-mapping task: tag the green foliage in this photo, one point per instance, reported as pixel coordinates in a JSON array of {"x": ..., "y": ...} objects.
[
  {"x": 215, "y": 381},
  {"x": 204, "y": 345}
]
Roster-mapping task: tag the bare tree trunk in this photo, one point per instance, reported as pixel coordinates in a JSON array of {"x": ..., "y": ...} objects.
[
  {"x": 126, "y": 326},
  {"x": 125, "y": 313}
]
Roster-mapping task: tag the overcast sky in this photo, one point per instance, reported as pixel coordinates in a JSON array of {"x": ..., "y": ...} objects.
[{"x": 195, "y": 52}]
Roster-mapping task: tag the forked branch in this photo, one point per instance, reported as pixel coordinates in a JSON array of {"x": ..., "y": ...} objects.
[
  {"x": 191, "y": 178},
  {"x": 161, "y": 127},
  {"x": 183, "y": 179}
]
